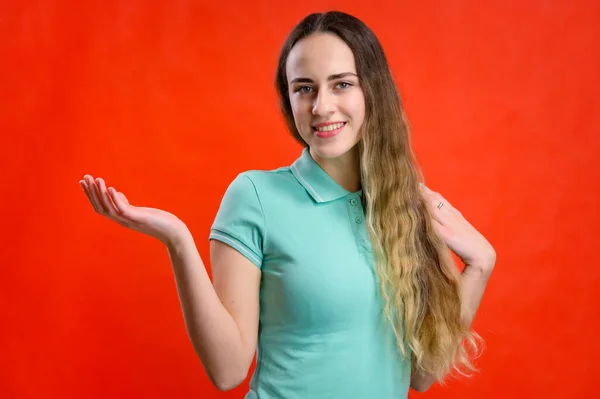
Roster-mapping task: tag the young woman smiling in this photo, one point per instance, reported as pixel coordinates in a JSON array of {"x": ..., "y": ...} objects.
[{"x": 337, "y": 268}]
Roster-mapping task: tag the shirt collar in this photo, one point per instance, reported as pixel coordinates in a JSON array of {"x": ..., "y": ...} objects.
[{"x": 320, "y": 186}]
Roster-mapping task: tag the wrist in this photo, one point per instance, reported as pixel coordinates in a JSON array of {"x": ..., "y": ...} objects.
[{"x": 177, "y": 238}]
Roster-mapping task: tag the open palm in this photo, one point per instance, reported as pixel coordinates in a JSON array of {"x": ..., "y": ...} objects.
[{"x": 114, "y": 205}]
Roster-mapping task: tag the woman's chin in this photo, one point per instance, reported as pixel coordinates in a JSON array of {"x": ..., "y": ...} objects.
[{"x": 331, "y": 150}]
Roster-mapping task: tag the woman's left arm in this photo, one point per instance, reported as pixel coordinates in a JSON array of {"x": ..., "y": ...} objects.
[
  {"x": 473, "y": 280},
  {"x": 473, "y": 249}
]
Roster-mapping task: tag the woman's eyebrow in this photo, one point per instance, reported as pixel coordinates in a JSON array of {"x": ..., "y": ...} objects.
[{"x": 330, "y": 78}]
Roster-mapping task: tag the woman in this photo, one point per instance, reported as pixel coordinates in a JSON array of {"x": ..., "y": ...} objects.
[{"x": 337, "y": 266}]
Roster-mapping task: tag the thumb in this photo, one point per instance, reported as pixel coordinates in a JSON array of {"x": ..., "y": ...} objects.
[{"x": 122, "y": 197}]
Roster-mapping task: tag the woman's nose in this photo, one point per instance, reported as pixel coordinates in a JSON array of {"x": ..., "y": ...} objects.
[{"x": 322, "y": 104}]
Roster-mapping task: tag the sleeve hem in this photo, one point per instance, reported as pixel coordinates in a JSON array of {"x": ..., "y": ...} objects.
[{"x": 237, "y": 245}]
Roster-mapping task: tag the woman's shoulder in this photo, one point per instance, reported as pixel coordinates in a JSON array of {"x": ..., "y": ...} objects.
[{"x": 268, "y": 179}]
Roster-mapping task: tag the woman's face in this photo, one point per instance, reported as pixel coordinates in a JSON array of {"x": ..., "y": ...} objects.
[{"x": 327, "y": 101}]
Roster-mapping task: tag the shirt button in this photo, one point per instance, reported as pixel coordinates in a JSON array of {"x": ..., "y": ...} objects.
[
  {"x": 353, "y": 202},
  {"x": 358, "y": 220}
]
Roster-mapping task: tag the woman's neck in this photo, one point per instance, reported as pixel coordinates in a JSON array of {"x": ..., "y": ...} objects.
[{"x": 344, "y": 170}]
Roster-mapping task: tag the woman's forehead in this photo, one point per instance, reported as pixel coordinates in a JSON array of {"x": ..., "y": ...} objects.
[{"x": 320, "y": 55}]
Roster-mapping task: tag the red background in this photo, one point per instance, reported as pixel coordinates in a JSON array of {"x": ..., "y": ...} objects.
[{"x": 169, "y": 100}]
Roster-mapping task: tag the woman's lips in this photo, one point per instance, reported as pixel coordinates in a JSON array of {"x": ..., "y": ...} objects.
[{"x": 329, "y": 133}]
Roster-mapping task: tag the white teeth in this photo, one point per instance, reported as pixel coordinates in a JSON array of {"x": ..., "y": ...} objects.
[{"x": 329, "y": 128}]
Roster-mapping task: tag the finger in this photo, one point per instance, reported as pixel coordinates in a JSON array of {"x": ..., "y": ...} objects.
[
  {"x": 86, "y": 190},
  {"x": 127, "y": 214},
  {"x": 439, "y": 203},
  {"x": 106, "y": 201},
  {"x": 436, "y": 198},
  {"x": 431, "y": 197},
  {"x": 94, "y": 194},
  {"x": 445, "y": 206},
  {"x": 438, "y": 207},
  {"x": 119, "y": 200},
  {"x": 439, "y": 227},
  {"x": 436, "y": 214},
  {"x": 429, "y": 194}
]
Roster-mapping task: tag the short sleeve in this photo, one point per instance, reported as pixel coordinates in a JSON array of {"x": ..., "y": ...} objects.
[{"x": 240, "y": 220}]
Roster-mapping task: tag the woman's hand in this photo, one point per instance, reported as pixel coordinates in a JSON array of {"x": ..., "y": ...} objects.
[
  {"x": 115, "y": 206},
  {"x": 460, "y": 236}
]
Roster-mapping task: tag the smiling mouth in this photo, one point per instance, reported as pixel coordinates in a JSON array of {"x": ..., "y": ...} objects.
[
  {"x": 329, "y": 128},
  {"x": 329, "y": 131}
]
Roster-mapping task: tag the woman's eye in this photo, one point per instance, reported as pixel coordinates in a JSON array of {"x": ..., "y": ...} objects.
[
  {"x": 303, "y": 89},
  {"x": 344, "y": 85}
]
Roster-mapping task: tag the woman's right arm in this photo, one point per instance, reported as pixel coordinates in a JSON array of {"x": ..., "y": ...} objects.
[{"x": 221, "y": 319}]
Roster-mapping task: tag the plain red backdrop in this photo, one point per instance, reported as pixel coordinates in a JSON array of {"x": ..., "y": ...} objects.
[{"x": 170, "y": 100}]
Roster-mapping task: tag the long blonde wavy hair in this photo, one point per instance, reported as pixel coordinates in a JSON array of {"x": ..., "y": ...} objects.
[{"x": 419, "y": 280}]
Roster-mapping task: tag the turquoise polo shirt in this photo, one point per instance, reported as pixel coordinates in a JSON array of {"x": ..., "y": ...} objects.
[{"x": 321, "y": 332}]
